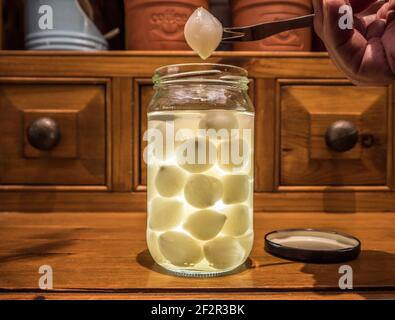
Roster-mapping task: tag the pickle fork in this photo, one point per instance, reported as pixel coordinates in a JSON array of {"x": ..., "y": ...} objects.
[{"x": 263, "y": 30}]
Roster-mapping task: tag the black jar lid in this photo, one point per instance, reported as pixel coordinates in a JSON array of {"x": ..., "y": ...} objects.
[{"x": 309, "y": 245}]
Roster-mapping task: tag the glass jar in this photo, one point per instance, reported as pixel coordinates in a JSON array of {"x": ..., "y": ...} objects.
[{"x": 200, "y": 169}]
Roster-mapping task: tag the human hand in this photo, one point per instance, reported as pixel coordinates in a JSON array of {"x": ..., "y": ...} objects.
[
  {"x": 360, "y": 5},
  {"x": 367, "y": 52}
]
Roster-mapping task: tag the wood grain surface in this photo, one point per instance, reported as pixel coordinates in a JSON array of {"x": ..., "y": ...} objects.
[
  {"x": 78, "y": 106},
  {"x": 105, "y": 255},
  {"x": 140, "y": 64},
  {"x": 362, "y": 181},
  {"x": 307, "y": 111}
]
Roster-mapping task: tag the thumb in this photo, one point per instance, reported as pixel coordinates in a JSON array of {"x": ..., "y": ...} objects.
[
  {"x": 347, "y": 47},
  {"x": 389, "y": 35},
  {"x": 331, "y": 19}
]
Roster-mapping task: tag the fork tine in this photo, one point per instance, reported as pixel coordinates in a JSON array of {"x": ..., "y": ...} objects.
[
  {"x": 234, "y": 36},
  {"x": 263, "y": 30}
]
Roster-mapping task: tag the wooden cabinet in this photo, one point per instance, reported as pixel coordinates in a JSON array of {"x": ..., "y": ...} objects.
[
  {"x": 100, "y": 100},
  {"x": 307, "y": 113},
  {"x": 143, "y": 92},
  {"x": 78, "y": 108}
]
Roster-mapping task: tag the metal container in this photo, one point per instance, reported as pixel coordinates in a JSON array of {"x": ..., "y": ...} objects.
[{"x": 60, "y": 25}]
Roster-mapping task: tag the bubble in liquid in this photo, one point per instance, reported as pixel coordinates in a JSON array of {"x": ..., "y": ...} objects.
[
  {"x": 170, "y": 181},
  {"x": 180, "y": 249},
  {"x": 224, "y": 253},
  {"x": 205, "y": 224},
  {"x": 165, "y": 214},
  {"x": 238, "y": 220},
  {"x": 236, "y": 188},
  {"x": 202, "y": 191},
  {"x": 233, "y": 154},
  {"x": 222, "y": 121},
  {"x": 203, "y": 32},
  {"x": 153, "y": 246},
  {"x": 196, "y": 155}
]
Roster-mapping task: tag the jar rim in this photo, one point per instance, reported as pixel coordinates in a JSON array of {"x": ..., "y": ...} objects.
[{"x": 200, "y": 73}]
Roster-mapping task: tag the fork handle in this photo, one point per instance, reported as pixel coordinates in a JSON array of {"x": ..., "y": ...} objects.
[{"x": 264, "y": 30}]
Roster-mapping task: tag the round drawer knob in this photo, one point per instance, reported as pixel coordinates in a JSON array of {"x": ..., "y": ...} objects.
[
  {"x": 342, "y": 136},
  {"x": 44, "y": 134}
]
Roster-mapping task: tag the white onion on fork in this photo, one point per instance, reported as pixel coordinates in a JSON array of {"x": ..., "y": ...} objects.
[{"x": 203, "y": 32}]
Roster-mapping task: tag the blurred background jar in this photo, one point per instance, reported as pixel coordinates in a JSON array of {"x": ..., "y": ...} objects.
[
  {"x": 247, "y": 12},
  {"x": 158, "y": 24}
]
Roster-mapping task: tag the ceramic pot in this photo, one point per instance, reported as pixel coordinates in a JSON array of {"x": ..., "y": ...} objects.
[
  {"x": 247, "y": 12},
  {"x": 71, "y": 28},
  {"x": 158, "y": 24}
]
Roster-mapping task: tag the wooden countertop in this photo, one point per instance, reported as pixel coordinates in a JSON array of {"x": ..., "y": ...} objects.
[{"x": 105, "y": 256}]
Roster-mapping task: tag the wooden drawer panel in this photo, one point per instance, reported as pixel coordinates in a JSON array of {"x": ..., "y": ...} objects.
[
  {"x": 79, "y": 111},
  {"x": 307, "y": 111}
]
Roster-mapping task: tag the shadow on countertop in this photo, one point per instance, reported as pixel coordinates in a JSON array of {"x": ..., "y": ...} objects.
[
  {"x": 373, "y": 271},
  {"x": 145, "y": 259}
]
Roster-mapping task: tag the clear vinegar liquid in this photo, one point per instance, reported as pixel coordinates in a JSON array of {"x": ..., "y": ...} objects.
[{"x": 200, "y": 215}]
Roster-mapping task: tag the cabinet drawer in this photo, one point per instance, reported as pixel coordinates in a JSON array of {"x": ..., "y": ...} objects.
[
  {"x": 76, "y": 112},
  {"x": 333, "y": 135}
]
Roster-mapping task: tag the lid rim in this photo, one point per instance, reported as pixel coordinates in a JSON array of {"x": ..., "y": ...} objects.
[
  {"x": 242, "y": 71},
  {"x": 313, "y": 255},
  {"x": 201, "y": 73}
]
